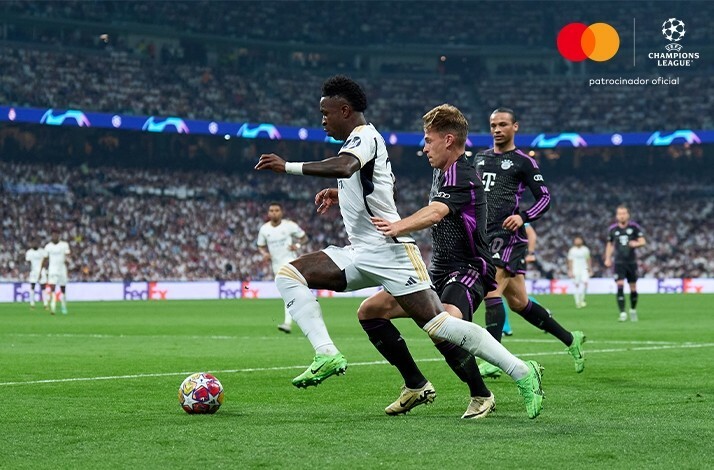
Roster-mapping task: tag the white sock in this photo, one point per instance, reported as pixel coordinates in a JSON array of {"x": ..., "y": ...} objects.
[
  {"x": 53, "y": 301},
  {"x": 304, "y": 309},
  {"x": 63, "y": 300},
  {"x": 288, "y": 319},
  {"x": 477, "y": 341},
  {"x": 32, "y": 296}
]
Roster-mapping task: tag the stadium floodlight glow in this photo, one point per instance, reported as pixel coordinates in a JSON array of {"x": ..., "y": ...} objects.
[
  {"x": 269, "y": 130},
  {"x": 154, "y": 125},
  {"x": 687, "y": 135},
  {"x": 575, "y": 140},
  {"x": 52, "y": 119}
]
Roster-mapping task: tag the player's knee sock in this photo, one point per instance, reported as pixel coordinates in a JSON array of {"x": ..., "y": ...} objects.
[
  {"x": 288, "y": 320},
  {"x": 506, "y": 322},
  {"x": 464, "y": 366},
  {"x": 477, "y": 341},
  {"x": 495, "y": 317},
  {"x": 32, "y": 294},
  {"x": 45, "y": 296},
  {"x": 633, "y": 300},
  {"x": 576, "y": 294},
  {"x": 390, "y": 344},
  {"x": 304, "y": 309},
  {"x": 539, "y": 317},
  {"x": 63, "y": 299},
  {"x": 53, "y": 301},
  {"x": 621, "y": 298}
]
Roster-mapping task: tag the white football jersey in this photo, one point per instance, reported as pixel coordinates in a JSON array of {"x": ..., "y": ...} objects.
[
  {"x": 278, "y": 240},
  {"x": 369, "y": 191},
  {"x": 579, "y": 257},
  {"x": 57, "y": 252},
  {"x": 35, "y": 257}
]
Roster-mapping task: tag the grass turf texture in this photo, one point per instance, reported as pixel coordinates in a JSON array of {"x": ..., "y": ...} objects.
[{"x": 644, "y": 400}]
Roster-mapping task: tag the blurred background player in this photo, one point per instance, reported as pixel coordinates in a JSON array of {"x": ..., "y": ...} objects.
[
  {"x": 57, "y": 252},
  {"x": 623, "y": 238},
  {"x": 38, "y": 274},
  {"x": 580, "y": 268},
  {"x": 506, "y": 172},
  {"x": 530, "y": 258},
  {"x": 278, "y": 242}
]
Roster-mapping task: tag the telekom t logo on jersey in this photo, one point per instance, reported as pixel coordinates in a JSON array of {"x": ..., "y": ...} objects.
[
  {"x": 489, "y": 180},
  {"x": 578, "y": 41}
]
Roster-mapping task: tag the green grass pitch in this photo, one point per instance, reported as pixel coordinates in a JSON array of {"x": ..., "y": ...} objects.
[{"x": 98, "y": 389}]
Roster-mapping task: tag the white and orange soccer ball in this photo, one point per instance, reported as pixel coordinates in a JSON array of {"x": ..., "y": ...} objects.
[{"x": 200, "y": 393}]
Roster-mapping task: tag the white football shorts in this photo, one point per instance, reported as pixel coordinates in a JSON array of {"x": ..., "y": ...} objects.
[{"x": 397, "y": 267}]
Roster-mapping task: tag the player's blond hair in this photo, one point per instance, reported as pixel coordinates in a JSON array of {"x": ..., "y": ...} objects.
[{"x": 447, "y": 119}]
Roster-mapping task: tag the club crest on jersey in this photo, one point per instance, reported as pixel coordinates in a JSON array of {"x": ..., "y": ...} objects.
[
  {"x": 352, "y": 143},
  {"x": 506, "y": 164},
  {"x": 629, "y": 231}
]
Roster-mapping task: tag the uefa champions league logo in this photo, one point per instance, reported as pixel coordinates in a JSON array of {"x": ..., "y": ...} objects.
[{"x": 673, "y": 30}]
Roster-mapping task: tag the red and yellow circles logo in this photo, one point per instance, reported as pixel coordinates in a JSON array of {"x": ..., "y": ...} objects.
[{"x": 578, "y": 41}]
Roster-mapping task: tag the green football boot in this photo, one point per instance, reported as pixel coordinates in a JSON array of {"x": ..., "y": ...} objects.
[
  {"x": 531, "y": 389},
  {"x": 489, "y": 370},
  {"x": 322, "y": 367},
  {"x": 576, "y": 350}
]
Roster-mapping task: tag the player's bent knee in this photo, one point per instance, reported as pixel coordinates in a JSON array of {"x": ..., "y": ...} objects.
[{"x": 458, "y": 301}]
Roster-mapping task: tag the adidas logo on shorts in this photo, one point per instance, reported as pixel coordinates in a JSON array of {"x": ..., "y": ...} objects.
[{"x": 410, "y": 281}]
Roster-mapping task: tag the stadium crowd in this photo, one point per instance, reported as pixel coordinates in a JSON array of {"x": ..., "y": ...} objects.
[
  {"x": 128, "y": 224},
  {"x": 118, "y": 81},
  {"x": 385, "y": 22}
]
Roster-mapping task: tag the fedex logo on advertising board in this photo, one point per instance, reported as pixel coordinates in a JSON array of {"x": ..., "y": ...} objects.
[
  {"x": 143, "y": 291},
  {"x": 230, "y": 290}
]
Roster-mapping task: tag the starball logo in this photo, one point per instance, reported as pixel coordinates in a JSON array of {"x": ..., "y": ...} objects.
[
  {"x": 598, "y": 42},
  {"x": 674, "y": 30}
]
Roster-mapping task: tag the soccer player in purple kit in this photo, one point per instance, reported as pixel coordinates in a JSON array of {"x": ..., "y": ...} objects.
[
  {"x": 623, "y": 237},
  {"x": 461, "y": 270},
  {"x": 506, "y": 172}
]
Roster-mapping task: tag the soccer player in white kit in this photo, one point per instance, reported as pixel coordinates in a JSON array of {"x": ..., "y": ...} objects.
[
  {"x": 278, "y": 242},
  {"x": 580, "y": 268},
  {"x": 38, "y": 274},
  {"x": 365, "y": 189},
  {"x": 57, "y": 252}
]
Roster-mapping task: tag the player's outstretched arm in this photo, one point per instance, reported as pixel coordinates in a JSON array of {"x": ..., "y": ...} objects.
[
  {"x": 421, "y": 219},
  {"x": 342, "y": 166}
]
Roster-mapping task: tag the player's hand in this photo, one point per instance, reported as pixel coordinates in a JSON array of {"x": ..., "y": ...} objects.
[
  {"x": 513, "y": 222},
  {"x": 608, "y": 263},
  {"x": 325, "y": 199},
  {"x": 530, "y": 258},
  {"x": 570, "y": 274},
  {"x": 633, "y": 244},
  {"x": 266, "y": 256},
  {"x": 270, "y": 161},
  {"x": 387, "y": 228},
  {"x": 294, "y": 247}
]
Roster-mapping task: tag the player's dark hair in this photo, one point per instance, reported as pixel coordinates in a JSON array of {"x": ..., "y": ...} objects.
[
  {"x": 275, "y": 203},
  {"x": 623, "y": 206},
  {"x": 507, "y": 111},
  {"x": 345, "y": 87},
  {"x": 577, "y": 235}
]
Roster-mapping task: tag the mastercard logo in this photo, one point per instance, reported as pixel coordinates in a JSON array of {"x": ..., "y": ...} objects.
[{"x": 578, "y": 41}]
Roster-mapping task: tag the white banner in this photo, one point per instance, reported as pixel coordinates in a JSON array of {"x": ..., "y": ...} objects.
[{"x": 166, "y": 290}]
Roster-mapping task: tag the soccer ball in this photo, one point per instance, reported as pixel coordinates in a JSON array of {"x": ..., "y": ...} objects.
[
  {"x": 673, "y": 29},
  {"x": 200, "y": 393}
]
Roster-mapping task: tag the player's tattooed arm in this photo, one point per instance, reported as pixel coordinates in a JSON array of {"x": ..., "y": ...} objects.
[{"x": 421, "y": 219}]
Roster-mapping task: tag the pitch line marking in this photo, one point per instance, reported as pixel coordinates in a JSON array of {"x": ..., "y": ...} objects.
[
  {"x": 281, "y": 338},
  {"x": 353, "y": 364}
]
